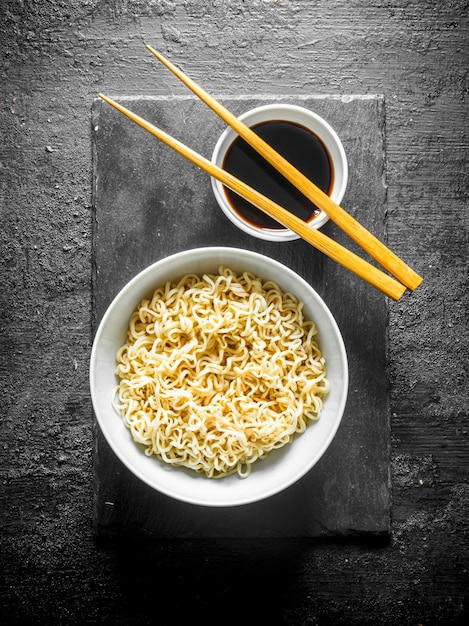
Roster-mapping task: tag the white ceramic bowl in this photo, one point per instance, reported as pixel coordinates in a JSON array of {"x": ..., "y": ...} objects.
[
  {"x": 280, "y": 468},
  {"x": 307, "y": 119}
]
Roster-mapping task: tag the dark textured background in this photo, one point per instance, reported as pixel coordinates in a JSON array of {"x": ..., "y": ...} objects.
[{"x": 55, "y": 57}]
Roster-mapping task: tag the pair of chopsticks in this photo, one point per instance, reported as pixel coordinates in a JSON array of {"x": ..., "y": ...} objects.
[{"x": 406, "y": 277}]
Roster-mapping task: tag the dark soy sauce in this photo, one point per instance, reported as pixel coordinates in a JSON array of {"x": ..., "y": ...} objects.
[{"x": 298, "y": 145}]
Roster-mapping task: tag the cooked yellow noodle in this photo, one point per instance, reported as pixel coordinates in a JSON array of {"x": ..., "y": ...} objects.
[{"x": 219, "y": 370}]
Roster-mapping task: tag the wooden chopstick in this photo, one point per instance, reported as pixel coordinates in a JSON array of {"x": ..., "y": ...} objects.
[
  {"x": 325, "y": 244},
  {"x": 344, "y": 220}
]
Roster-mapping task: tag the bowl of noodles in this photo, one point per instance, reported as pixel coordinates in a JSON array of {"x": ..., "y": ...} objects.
[{"x": 218, "y": 376}]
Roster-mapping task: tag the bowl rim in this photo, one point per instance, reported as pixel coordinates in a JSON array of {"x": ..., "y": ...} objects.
[
  {"x": 287, "y": 112},
  {"x": 126, "y": 291}
]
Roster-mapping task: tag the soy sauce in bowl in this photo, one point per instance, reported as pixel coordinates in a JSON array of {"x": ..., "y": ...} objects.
[{"x": 299, "y": 145}]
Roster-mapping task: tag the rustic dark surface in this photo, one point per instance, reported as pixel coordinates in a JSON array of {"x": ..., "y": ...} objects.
[
  {"x": 150, "y": 203},
  {"x": 55, "y": 57}
]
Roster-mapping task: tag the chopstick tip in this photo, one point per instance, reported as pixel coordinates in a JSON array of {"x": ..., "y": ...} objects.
[
  {"x": 418, "y": 281},
  {"x": 399, "y": 293},
  {"x": 153, "y": 51}
]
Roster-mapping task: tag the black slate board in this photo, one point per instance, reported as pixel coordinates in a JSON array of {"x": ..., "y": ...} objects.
[{"x": 149, "y": 202}]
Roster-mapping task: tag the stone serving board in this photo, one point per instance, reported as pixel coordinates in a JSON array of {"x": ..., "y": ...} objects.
[{"x": 149, "y": 203}]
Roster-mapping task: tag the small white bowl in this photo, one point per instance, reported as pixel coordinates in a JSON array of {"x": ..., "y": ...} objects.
[
  {"x": 281, "y": 468},
  {"x": 298, "y": 115}
]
